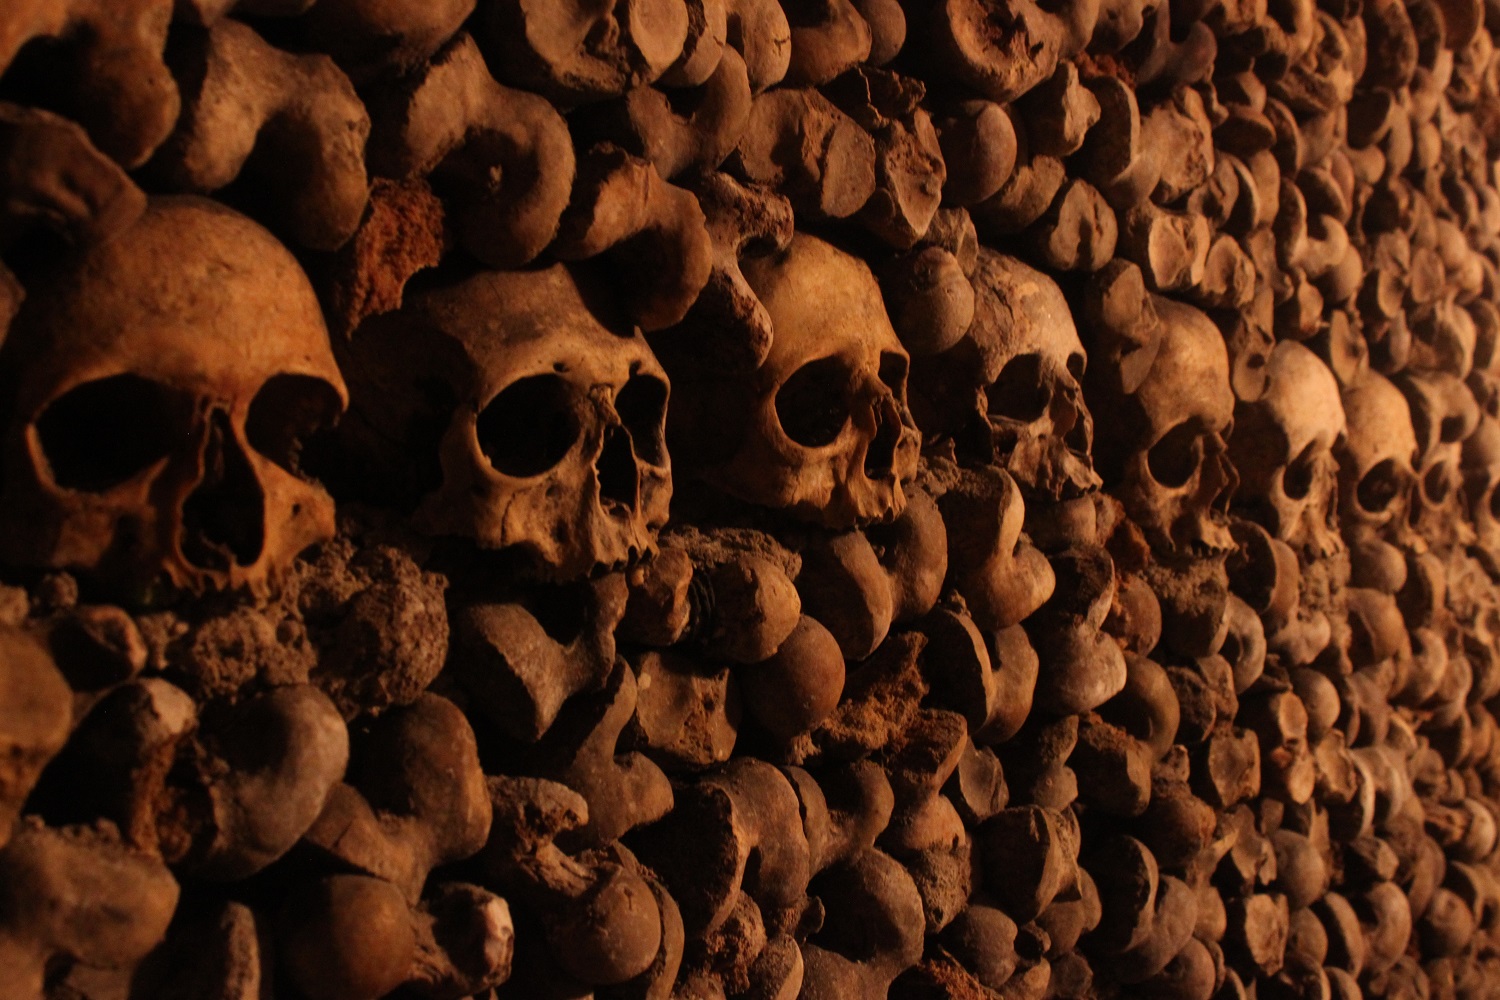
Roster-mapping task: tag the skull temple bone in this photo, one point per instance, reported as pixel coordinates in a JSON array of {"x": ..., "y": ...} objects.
[
  {"x": 546, "y": 419},
  {"x": 821, "y": 429},
  {"x": 159, "y": 388}
]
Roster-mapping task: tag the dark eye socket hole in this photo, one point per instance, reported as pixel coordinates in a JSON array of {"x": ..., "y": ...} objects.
[
  {"x": 1076, "y": 365},
  {"x": 1451, "y": 429},
  {"x": 1435, "y": 484},
  {"x": 1019, "y": 393},
  {"x": 1378, "y": 487},
  {"x": 642, "y": 406},
  {"x": 1420, "y": 425},
  {"x": 286, "y": 411},
  {"x": 102, "y": 433},
  {"x": 1174, "y": 459},
  {"x": 1296, "y": 482},
  {"x": 893, "y": 370},
  {"x": 529, "y": 427},
  {"x": 813, "y": 404}
]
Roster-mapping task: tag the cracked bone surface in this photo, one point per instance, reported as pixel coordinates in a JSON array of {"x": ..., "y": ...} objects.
[{"x": 749, "y": 500}]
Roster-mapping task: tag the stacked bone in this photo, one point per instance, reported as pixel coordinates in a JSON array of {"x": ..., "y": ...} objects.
[{"x": 728, "y": 597}]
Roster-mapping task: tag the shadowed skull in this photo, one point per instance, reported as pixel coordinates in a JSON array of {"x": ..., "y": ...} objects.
[
  {"x": 1375, "y": 460},
  {"x": 826, "y": 433},
  {"x": 1443, "y": 415},
  {"x": 1030, "y": 350},
  {"x": 551, "y": 441},
  {"x": 1282, "y": 448},
  {"x": 1481, "y": 469},
  {"x": 159, "y": 389},
  {"x": 1172, "y": 472}
]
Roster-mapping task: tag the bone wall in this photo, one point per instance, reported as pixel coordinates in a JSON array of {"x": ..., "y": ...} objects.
[{"x": 749, "y": 499}]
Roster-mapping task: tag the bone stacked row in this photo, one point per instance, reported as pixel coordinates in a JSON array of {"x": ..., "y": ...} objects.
[{"x": 559, "y": 499}]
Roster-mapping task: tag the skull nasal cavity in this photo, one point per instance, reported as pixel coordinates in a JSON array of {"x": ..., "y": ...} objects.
[
  {"x": 1019, "y": 393},
  {"x": 102, "y": 433},
  {"x": 1174, "y": 459},
  {"x": 880, "y": 457},
  {"x": 618, "y": 483},
  {"x": 223, "y": 521},
  {"x": 1296, "y": 482},
  {"x": 812, "y": 406},
  {"x": 529, "y": 427}
]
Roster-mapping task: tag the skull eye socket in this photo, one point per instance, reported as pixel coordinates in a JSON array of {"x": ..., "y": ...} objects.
[
  {"x": 1435, "y": 484},
  {"x": 812, "y": 406},
  {"x": 103, "y": 433},
  {"x": 1378, "y": 487},
  {"x": 1174, "y": 460},
  {"x": 528, "y": 427},
  {"x": 642, "y": 406},
  {"x": 1019, "y": 393},
  {"x": 286, "y": 411},
  {"x": 1296, "y": 481},
  {"x": 893, "y": 370}
]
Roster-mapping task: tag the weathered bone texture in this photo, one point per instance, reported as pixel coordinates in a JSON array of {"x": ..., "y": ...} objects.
[
  {"x": 548, "y": 435},
  {"x": 836, "y": 499},
  {"x": 195, "y": 342},
  {"x": 100, "y": 64},
  {"x": 501, "y": 157},
  {"x": 291, "y": 124},
  {"x": 55, "y": 178},
  {"x": 654, "y": 233},
  {"x": 829, "y": 435}
]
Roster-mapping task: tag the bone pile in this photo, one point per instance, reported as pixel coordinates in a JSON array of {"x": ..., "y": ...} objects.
[{"x": 749, "y": 500}]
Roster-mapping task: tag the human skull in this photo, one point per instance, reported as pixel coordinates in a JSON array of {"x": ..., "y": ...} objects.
[
  {"x": 1032, "y": 361},
  {"x": 823, "y": 426},
  {"x": 1282, "y": 448},
  {"x": 552, "y": 422},
  {"x": 1481, "y": 469},
  {"x": 1171, "y": 469},
  {"x": 159, "y": 387},
  {"x": 1443, "y": 414},
  {"x": 1375, "y": 459}
]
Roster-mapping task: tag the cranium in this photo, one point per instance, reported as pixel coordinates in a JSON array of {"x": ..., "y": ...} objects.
[
  {"x": 159, "y": 387},
  {"x": 1282, "y": 448},
  {"x": 1481, "y": 469},
  {"x": 827, "y": 433},
  {"x": 1171, "y": 471},
  {"x": 1443, "y": 414},
  {"x": 1032, "y": 360},
  {"x": 552, "y": 420},
  {"x": 1375, "y": 459}
]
